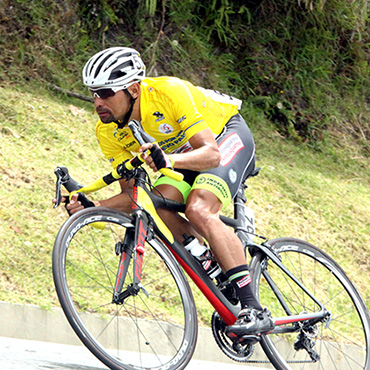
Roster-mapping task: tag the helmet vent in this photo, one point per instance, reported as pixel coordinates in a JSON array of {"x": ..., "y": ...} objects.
[
  {"x": 120, "y": 70},
  {"x": 101, "y": 63}
]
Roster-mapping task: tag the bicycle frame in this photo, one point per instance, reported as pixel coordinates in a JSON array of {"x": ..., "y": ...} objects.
[
  {"x": 144, "y": 212},
  {"x": 146, "y": 217}
]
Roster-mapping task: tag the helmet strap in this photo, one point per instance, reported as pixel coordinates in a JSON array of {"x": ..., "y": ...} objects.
[{"x": 123, "y": 123}]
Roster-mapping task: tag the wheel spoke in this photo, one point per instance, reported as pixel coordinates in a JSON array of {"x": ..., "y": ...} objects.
[
  {"x": 345, "y": 343},
  {"x": 143, "y": 332}
]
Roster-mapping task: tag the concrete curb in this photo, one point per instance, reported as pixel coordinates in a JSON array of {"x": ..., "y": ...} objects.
[{"x": 34, "y": 323}]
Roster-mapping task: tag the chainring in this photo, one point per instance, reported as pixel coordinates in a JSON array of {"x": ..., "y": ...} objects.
[{"x": 237, "y": 352}]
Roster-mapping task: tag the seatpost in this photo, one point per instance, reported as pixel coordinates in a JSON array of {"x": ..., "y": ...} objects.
[{"x": 239, "y": 202}]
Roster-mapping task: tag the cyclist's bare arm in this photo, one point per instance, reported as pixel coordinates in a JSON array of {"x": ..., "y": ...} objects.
[
  {"x": 120, "y": 201},
  {"x": 205, "y": 153}
]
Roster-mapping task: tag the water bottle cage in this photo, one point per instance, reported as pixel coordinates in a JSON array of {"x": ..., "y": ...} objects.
[{"x": 208, "y": 256}]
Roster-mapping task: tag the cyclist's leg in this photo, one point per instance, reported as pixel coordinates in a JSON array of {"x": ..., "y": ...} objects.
[
  {"x": 214, "y": 189},
  {"x": 203, "y": 210},
  {"x": 177, "y": 191},
  {"x": 204, "y": 204}
]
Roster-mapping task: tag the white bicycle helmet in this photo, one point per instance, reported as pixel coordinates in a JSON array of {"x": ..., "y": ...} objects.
[{"x": 117, "y": 67}]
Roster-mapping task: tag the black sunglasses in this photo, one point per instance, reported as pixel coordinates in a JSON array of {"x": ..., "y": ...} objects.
[{"x": 102, "y": 93}]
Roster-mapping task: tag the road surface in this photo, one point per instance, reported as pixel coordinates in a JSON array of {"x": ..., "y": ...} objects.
[{"x": 22, "y": 354}]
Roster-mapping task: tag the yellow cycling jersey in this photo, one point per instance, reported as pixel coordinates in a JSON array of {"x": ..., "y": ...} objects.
[{"x": 172, "y": 111}]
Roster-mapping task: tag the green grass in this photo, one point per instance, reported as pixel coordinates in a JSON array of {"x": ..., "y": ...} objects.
[
  {"x": 322, "y": 196},
  {"x": 37, "y": 134}
]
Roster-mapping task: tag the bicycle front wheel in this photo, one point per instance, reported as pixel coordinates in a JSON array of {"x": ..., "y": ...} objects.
[
  {"x": 342, "y": 343},
  {"x": 153, "y": 328}
]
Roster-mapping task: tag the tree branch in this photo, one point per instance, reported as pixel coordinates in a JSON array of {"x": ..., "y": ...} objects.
[{"x": 72, "y": 94}]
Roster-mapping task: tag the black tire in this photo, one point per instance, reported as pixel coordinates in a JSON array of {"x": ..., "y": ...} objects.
[
  {"x": 156, "y": 331},
  {"x": 345, "y": 343}
]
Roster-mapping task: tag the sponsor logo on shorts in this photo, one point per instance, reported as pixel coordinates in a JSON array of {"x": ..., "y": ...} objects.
[
  {"x": 229, "y": 148},
  {"x": 232, "y": 175},
  {"x": 201, "y": 180},
  {"x": 212, "y": 182}
]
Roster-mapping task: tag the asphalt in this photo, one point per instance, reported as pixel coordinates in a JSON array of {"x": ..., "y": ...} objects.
[
  {"x": 22, "y": 354},
  {"x": 32, "y": 338}
]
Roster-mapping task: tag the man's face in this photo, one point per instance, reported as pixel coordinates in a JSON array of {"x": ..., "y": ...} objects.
[{"x": 112, "y": 108}]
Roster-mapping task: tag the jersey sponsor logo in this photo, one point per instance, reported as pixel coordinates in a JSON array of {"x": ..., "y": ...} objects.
[
  {"x": 229, "y": 148},
  {"x": 159, "y": 116},
  {"x": 172, "y": 142},
  {"x": 119, "y": 134},
  {"x": 165, "y": 128},
  {"x": 129, "y": 144},
  {"x": 183, "y": 118}
]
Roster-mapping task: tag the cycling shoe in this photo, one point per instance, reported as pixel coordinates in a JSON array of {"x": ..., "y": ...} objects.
[{"x": 250, "y": 322}]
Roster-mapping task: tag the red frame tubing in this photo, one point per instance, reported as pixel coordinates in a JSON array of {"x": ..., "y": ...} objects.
[
  {"x": 141, "y": 228},
  {"x": 226, "y": 310}
]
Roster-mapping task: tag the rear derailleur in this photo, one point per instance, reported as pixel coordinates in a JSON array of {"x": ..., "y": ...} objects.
[{"x": 306, "y": 340}]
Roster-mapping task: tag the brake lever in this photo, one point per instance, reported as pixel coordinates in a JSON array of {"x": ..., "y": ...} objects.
[
  {"x": 58, "y": 192},
  {"x": 141, "y": 136},
  {"x": 64, "y": 178}
]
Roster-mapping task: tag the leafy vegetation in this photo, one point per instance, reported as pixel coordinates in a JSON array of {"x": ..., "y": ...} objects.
[
  {"x": 301, "y": 68},
  {"x": 303, "y": 63}
]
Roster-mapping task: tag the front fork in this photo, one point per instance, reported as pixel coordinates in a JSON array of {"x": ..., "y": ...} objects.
[{"x": 133, "y": 246}]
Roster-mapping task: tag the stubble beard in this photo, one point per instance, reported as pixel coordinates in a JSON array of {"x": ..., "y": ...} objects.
[{"x": 108, "y": 117}]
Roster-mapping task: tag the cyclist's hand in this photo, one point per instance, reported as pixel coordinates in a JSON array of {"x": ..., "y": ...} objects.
[
  {"x": 77, "y": 202},
  {"x": 157, "y": 159}
]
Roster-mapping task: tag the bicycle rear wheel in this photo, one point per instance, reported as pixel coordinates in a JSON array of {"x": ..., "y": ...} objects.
[
  {"x": 153, "y": 328},
  {"x": 344, "y": 344}
]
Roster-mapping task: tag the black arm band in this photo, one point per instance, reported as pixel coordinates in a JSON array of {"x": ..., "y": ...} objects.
[{"x": 108, "y": 179}]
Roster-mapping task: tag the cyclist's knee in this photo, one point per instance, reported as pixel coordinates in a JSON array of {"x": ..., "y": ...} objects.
[
  {"x": 198, "y": 214},
  {"x": 191, "y": 212}
]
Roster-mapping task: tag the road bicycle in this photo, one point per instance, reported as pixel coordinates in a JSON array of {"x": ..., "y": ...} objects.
[{"x": 121, "y": 283}]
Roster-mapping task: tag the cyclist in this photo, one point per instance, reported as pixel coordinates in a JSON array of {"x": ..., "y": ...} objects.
[{"x": 199, "y": 133}]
